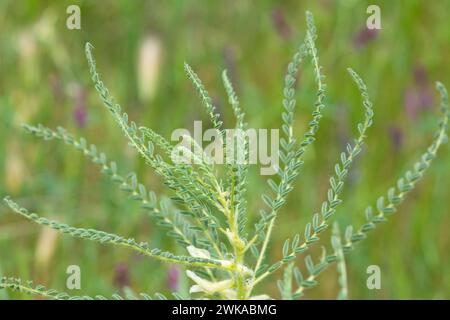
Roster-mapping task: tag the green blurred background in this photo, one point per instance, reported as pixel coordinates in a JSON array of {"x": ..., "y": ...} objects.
[{"x": 140, "y": 48}]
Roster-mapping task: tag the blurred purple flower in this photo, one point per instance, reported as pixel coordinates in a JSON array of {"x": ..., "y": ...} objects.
[
  {"x": 173, "y": 276},
  {"x": 80, "y": 112},
  {"x": 80, "y": 116},
  {"x": 279, "y": 21},
  {"x": 420, "y": 76},
  {"x": 418, "y": 96},
  {"x": 396, "y": 137},
  {"x": 416, "y": 100},
  {"x": 121, "y": 276},
  {"x": 363, "y": 37}
]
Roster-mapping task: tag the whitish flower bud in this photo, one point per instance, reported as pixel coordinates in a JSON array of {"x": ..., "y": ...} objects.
[
  {"x": 149, "y": 63},
  {"x": 206, "y": 286},
  {"x": 198, "y": 253}
]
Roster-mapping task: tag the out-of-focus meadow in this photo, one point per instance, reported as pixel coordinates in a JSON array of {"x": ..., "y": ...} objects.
[{"x": 140, "y": 48}]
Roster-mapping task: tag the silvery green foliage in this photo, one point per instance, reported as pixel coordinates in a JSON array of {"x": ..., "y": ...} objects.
[{"x": 207, "y": 212}]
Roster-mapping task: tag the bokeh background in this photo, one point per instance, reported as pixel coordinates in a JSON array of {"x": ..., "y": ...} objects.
[{"x": 140, "y": 48}]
